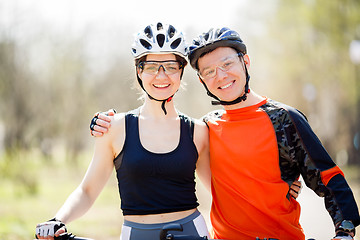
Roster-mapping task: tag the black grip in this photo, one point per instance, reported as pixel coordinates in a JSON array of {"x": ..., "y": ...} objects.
[
  {"x": 169, "y": 227},
  {"x": 70, "y": 236},
  {"x": 80, "y": 238},
  {"x": 186, "y": 237}
]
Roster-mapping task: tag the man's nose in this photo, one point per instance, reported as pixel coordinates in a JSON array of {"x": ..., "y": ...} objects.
[{"x": 220, "y": 73}]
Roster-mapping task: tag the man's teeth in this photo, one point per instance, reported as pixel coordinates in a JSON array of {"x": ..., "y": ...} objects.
[{"x": 226, "y": 86}]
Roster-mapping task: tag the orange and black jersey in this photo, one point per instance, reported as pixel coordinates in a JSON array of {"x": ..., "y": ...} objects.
[{"x": 256, "y": 153}]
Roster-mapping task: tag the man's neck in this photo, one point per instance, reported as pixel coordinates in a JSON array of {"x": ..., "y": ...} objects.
[{"x": 252, "y": 99}]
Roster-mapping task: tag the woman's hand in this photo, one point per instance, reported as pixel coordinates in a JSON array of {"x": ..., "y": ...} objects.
[{"x": 50, "y": 229}]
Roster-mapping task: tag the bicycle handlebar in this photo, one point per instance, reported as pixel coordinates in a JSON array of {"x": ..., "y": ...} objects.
[
  {"x": 70, "y": 236},
  {"x": 164, "y": 235},
  {"x": 186, "y": 237}
]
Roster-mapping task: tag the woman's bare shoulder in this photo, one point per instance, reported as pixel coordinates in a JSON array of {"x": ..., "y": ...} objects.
[{"x": 117, "y": 123}]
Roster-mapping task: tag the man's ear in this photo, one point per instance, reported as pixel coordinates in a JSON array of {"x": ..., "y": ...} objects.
[{"x": 247, "y": 61}]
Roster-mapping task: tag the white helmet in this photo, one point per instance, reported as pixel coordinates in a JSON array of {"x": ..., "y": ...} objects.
[{"x": 159, "y": 38}]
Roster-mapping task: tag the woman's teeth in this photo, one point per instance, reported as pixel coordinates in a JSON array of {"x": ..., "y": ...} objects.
[{"x": 161, "y": 85}]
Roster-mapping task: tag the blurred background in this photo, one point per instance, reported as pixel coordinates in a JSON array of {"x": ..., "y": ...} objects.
[{"x": 62, "y": 61}]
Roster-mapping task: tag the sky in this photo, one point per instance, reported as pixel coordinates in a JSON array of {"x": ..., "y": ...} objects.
[
  {"x": 109, "y": 26},
  {"x": 78, "y": 14},
  {"x": 128, "y": 17},
  {"x": 81, "y": 12}
]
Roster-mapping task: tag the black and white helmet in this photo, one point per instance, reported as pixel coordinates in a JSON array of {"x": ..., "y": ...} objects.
[{"x": 159, "y": 38}]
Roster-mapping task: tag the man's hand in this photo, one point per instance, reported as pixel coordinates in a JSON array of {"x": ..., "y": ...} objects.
[
  {"x": 295, "y": 189},
  {"x": 343, "y": 238},
  {"x": 101, "y": 123},
  {"x": 345, "y": 230}
]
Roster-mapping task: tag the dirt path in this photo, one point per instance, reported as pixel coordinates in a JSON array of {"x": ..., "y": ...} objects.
[{"x": 314, "y": 218}]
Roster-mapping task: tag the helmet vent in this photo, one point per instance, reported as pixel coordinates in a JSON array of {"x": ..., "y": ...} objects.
[
  {"x": 206, "y": 36},
  {"x": 222, "y": 31},
  {"x": 145, "y": 44},
  {"x": 148, "y": 32},
  {"x": 159, "y": 26},
  {"x": 175, "y": 43},
  {"x": 161, "y": 39},
  {"x": 171, "y": 31}
]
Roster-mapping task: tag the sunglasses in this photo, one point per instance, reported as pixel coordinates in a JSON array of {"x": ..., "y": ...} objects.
[{"x": 153, "y": 67}]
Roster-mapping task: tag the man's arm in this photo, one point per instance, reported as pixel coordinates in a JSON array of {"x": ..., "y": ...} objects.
[
  {"x": 101, "y": 122},
  {"x": 322, "y": 175}
]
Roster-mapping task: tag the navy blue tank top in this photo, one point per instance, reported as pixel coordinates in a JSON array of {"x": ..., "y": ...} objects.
[{"x": 153, "y": 183}]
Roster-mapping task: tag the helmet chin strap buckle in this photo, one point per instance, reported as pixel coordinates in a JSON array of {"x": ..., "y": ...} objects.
[
  {"x": 169, "y": 99},
  {"x": 214, "y": 103},
  {"x": 162, "y": 102}
]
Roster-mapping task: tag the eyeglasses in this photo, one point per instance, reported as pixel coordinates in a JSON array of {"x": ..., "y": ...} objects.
[
  {"x": 226, "y": 64},
  {"x": 153, "y": 67}
]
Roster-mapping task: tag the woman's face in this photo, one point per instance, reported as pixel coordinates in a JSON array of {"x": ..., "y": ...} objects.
[{"x": 160, "y": 75}]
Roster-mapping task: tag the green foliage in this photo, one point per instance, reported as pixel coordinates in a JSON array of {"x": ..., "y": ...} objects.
[
  {"x": 309, "y": 44},
  {"x": 17, "y": 169}
]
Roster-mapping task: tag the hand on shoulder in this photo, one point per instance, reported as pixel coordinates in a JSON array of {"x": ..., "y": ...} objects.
[{"x": 101, "y": 122}]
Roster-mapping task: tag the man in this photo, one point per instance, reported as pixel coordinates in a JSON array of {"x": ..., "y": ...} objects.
[{"x": 258, "y": 148}]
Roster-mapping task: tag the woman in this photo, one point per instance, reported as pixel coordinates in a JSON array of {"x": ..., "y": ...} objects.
[{"x": 154, "y": 148}]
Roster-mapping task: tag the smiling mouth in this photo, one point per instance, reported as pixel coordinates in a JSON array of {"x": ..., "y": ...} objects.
[
  {"x": 227, "y": 85},
  {"x": 161, "y": 85}
]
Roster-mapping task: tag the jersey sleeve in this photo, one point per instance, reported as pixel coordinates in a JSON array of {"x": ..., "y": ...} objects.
[{"x": 319, "y": 171}]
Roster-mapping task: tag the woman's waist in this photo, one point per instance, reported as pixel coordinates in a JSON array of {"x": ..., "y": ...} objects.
[{"x": 159, "y": 218}]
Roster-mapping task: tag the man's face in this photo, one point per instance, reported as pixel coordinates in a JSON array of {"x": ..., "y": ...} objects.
[{"x": 222, "y": 70}]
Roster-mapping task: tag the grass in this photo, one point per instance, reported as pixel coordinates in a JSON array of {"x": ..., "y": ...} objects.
[{"x": 41, "y": 190}]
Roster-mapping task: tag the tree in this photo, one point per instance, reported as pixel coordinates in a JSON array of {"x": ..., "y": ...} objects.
[{"x": 309, "y": 42}]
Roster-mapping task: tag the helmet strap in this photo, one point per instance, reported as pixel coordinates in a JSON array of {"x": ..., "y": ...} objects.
[{"x": 163, "y": 101}]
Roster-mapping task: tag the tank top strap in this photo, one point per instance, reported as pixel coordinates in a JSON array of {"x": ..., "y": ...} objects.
[
  {"x": 132, "y": 114},
  {"x": 131, "y": 125},
  {"x": 188, "y": 125}
]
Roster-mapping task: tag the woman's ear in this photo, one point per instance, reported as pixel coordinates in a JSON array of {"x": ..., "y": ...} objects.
[{"x": 138, "y": 72}]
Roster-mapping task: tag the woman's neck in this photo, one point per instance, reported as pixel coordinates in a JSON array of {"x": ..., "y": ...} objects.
[{"x": 152, "y": 108}]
